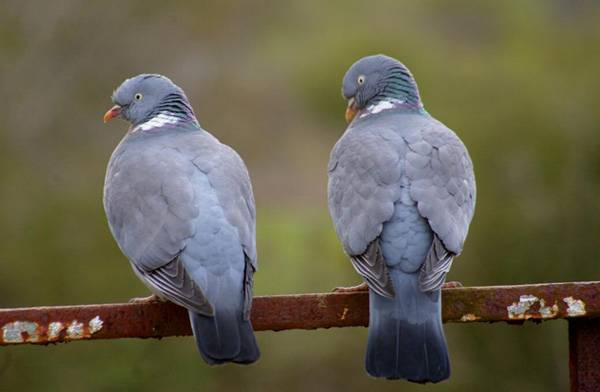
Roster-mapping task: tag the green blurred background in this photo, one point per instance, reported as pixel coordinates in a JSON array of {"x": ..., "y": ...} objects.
[{"x": 517, "y": 80}]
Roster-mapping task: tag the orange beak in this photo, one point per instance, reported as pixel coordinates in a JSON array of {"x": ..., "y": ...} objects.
[
  {"x": 351, "y": 110},
  {"x": 112, "y": 113}
]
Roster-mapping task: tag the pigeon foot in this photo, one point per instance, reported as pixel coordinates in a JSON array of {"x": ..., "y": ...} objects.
[
  {"x": 146, "y": 300},
  {"x": 452, "y": 285},
  {"x": 353, "y": 289}
]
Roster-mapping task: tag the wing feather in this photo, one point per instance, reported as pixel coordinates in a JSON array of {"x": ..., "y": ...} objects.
[
  {"x": 437, "y": 264},
  {"x": 151, "y": 200},
  {"x": 445, "y": 192},
  {"x": 174, "y": 283},
  {"x": 371, "y": 266}
]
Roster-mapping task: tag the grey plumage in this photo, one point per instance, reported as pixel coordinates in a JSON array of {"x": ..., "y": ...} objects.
[
  {"x": 180, "y": 206},
  {"x": 402, "y": 183}
]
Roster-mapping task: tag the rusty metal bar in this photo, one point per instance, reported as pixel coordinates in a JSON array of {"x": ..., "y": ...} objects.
[
  {"x": 584, "y": 354},
  {"x": 536, "y": 302}
]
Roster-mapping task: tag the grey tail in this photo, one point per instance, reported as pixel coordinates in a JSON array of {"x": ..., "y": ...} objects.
[
  {"x": 224, "y": 337},
  {"x": 406, "y": 338}
]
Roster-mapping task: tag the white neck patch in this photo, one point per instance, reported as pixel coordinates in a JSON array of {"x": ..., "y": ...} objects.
[
  {"x": 157, "y": 121},
  {"x": 381, "y": 106}
]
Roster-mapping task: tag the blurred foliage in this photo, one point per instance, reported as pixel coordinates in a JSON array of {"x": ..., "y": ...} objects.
[{"x": 517, "y": 80}]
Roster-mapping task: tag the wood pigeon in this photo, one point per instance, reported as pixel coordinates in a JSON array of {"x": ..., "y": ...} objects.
[
  {"x": 401, "y": 196},
  {"x": 179, "y": 204}
]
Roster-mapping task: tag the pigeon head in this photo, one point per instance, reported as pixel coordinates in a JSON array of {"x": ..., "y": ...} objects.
[
  {"x": 373, "y": 79},
  {"x": 146, "y": 96}
]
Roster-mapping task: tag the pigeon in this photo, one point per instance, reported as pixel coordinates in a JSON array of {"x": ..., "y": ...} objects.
[
  {"x": 180, "y": 206},
  {"x": 401, "y": 195}
]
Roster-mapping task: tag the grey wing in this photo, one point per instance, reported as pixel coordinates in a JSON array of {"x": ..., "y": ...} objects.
[
  {"x": 372, "y": 267},
  {"x": 229, "y": 177},
  {"x": 437, "y": 264},
  {"x": 442, "y": 183},
  {"x": 174, "y": 283},
  {"x": 150, "y": 205},
  {"x": 364, "y": 183}
]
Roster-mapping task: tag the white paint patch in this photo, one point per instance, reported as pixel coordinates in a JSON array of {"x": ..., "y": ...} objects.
[
  {"x": 576, "y": 307},
  {"x": 548, "y": 311},
  {"x": 517, "y": 310},
  {"x": 29, "y": 331},
  {"x": 19, "y": 332},
  {"x": 54, "y": 329},
  {"x": 158, "y": 121},
  {"x": 95, "y": 325},
  {"x": 75, "y": 330}
]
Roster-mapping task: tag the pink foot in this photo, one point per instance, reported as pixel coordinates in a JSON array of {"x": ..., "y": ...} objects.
[{"x": 452, "y": 285}]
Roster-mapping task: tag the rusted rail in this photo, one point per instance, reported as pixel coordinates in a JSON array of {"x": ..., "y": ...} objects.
[
  {"x": 579, "y": 302},
  {"x": 303, "y": 311}
]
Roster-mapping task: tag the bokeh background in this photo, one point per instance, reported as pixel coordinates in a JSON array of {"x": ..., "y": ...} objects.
[{"x": 517, "y": 80}]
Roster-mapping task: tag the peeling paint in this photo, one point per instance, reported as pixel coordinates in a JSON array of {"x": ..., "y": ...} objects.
[
  {"x": 54, "y": 329},
  {"x": 20, "y": 331},
  {"x": 75, "y": 330},
  {"x": 298, "y": 311},
  {"x": 524, "y": 309},
  {"x": 548, "y": 311},
  {"x": 469, "y": 317},
  {"x": 95, "y": 325},
  {"x": 576, "y": 307},
  {"x": 517, "y": 311},
  {"x": 31, "y": 332},
  {"x": 344, "y": 313}
]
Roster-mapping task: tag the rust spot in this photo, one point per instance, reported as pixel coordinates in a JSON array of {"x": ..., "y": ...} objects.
[
  {"x": 302, "y": 311},
  {"x": 584, "y": 361},
  {"x": 469, "y": 317},
  {"x": 344, "y": 314},
  {"x": 322, "y": 301}
]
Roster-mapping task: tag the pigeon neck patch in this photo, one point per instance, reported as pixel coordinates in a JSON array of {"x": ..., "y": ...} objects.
[
  {"x": 160, "y": 120},
  {"x": 385, "y": 104}
]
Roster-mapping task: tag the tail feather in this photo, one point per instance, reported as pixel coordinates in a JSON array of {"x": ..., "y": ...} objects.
[
  {"x": 226, "y": 337},
  {"x": 406, "y": 338}
]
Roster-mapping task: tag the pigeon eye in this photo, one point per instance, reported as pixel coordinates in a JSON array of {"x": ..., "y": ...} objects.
[
  {"x": 361, "y": 79},
  {"x": 138, "y": 97}
]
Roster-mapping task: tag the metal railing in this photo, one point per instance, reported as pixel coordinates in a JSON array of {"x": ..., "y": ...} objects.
[{"x": 578, "y": 302}]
